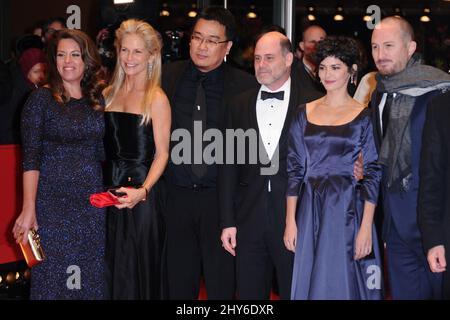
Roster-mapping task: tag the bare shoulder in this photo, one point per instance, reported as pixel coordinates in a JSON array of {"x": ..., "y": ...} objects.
[
  {"x": 356, "y": 106},
  {"x": 160, "y": 97},
  {"x": 160, "y": 101},
  {"x": 106, "y": 91},
  {"x": 357, "y": 110},
  {"x": 310, "y": 106}
]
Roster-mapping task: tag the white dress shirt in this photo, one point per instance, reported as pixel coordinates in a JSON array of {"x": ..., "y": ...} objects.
[
  {"x": 381, "y": 108},
  {"x": 270, "y": 114}
]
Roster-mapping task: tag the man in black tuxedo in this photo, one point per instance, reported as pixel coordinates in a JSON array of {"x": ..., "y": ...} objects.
[
  {"x": 434, "y": 188},
  {"x": 253, "y": 205},
  {"x": 198, "y": 90}
]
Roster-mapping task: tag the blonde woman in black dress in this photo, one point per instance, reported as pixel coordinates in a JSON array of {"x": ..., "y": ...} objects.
[{"x": 137, "y": 124}]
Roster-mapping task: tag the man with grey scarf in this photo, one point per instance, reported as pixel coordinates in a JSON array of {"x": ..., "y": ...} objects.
[{"x": 404, "y": 88}]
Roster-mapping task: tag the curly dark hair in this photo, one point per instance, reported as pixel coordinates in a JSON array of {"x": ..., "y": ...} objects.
[
  {"x": 92, "y": 83},
  {"x": 343, "y": 48}
]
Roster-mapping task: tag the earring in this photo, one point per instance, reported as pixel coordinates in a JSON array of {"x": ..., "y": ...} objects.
[
  {"x": 353, "y": 79},
  {"x": 150, "y": 69}
]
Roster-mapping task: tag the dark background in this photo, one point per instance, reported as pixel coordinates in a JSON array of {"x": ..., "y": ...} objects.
[{"x": 18, "y": 16}]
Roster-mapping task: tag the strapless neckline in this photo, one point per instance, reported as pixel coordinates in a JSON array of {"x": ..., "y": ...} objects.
[{"x": 124, "y": 113}]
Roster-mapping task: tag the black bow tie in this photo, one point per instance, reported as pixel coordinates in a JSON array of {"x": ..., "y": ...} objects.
[{"x": 268, "y": 95}]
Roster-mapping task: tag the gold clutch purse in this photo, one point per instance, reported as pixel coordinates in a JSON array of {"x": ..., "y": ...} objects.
[{"x": 32, "y": 250}]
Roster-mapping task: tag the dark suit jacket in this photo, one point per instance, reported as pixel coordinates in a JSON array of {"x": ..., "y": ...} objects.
[
  {"x": 242, "y": 189},
  {"x": 311, "y": 88},
  {"x": 434, "y": 187},
  {"x": 400, "y": 209},
  {"x": 235, "y": 82}
]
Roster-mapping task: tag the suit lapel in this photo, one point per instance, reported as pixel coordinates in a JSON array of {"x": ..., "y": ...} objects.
[
  {"x": 178, "y": 74},
  {"x": 253, "y": 118},
  {"x": 293, "y": 104},
  {"x": 375, "y": 102},
  {"x": 252, "y": 109},
  {"x": 228, "y": 90}
]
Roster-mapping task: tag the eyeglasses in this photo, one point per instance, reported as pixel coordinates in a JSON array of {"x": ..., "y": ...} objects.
[{"x": 209, "y": 42}]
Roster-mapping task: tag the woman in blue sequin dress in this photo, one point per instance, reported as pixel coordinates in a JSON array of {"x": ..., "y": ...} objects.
[
  {"x": 62, "y": 131},
  {"x": 329, "y": 223}
]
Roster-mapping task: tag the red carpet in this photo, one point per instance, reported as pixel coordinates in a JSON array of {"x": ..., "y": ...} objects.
[{"x": 10, "y": 199}]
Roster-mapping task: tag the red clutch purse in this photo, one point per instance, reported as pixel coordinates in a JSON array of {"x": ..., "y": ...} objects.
[{"x": 103, "y": 199}]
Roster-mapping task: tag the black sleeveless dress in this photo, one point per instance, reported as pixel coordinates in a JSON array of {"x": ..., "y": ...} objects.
[{"x": 134, "y": 237}]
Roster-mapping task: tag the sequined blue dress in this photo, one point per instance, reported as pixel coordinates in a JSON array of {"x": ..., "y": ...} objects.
[
  {"x": 64, "y": 143},
  {"x": 330, "y": 208}
]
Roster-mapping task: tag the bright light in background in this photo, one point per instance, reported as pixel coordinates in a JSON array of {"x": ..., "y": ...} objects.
[
  {"x": 426, "y": 17},
  {"x": 339, "y": 16},
  {"x": 164, "y": 13},
  {"x": 193, "y": 12},
  {"x": 252, "y": 14},
  {"x": 123, "y": 1},
  {"x": 311, "y": 16}
]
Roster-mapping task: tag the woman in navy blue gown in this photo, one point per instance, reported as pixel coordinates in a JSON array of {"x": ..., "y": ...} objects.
[
  {"x": 62, "y": 131},
  {"x": 329, "y": 222}
]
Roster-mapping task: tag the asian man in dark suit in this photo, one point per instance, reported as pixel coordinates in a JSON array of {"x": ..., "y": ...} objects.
[{"x": 198, "y": 90}]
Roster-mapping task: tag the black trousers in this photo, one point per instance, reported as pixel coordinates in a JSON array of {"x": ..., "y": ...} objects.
[
  {"x": 194, "y": 245},
  {"x": 446, "y": 289},
  {"x": 260, "y": 250}
]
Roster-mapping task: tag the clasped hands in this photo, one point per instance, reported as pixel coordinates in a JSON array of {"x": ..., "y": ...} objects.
[{"x": 130, "y": 197}]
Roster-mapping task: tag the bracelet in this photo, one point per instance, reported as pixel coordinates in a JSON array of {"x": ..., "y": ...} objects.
[{"x": 146, "y": 192}]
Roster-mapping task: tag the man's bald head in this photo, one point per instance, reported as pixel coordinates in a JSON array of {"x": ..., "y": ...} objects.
[
  {"x": 313, "y": 30},
  {"x": 311, "y": 36},
  {"x": 285, "y": 43},
  {"x": 403, "y": 26}
]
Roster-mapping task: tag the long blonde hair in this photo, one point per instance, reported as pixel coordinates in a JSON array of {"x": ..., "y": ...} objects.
[{"x": 153, "y": 43}]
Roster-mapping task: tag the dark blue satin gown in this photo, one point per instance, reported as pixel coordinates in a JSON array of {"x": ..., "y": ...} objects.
[{"x": 330, "y": 207}]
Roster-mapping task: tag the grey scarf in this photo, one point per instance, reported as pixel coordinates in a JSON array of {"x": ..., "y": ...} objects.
[{"x": 415, "y": 80}]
